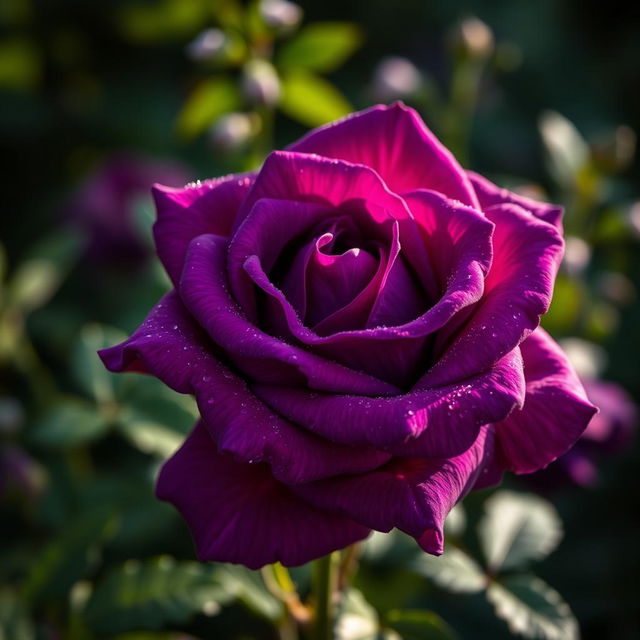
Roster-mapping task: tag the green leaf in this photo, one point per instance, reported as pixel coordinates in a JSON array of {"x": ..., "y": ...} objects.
[
  {"x": 163, "y": 20},
  {"x": 357, "y": 619},
  {"x": 14, "y": 623},
  {"x": 155, "y": 593},
  {"x": 532, "y": 608},
  {"x": 89, "y": 372},
  {"x": 70, "y": 556},
  {"x": 68, "y": 423},
  {"x": 211, "y": 99},
  {"x": 518, "y": 528},
  {"x": 420, "y": 625},
  {"x": 250, "y": 589},
  {"x": 311, "y": 100},
  {"x": 322, "y": 46},
  {"x": 33, "y": 284},
  {"x": 454, "y": 570}
]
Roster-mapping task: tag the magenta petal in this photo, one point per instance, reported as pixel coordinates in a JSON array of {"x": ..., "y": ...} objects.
[
  {"x": 435, "y": 422},
  {"x": 306, "y": 178},
  {"x": 413, "y": 494},
  {"x": 555, "y": 412},
  {"x": 169, "y": 346},
  {"x": 395, "y": 142},
  {"x": 239, "y": 513},
  {"x": 490, "y": 194},
  {"x": 183, "y": 214},
  {"x": 518, "y": 290},
  {"x": 266, "y": 231}
]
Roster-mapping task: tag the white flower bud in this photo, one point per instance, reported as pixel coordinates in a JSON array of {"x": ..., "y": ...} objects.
[
  {"x": 396, "y": 77},
  {"x": 207, "y": 45},
  {"x": 473, "y": 38},
  {"x": 233, "y": 130},
  {"x": 260, "y": 83},
  {"x": 577, "y": 255},
  {"x": 280, "y": 14}
]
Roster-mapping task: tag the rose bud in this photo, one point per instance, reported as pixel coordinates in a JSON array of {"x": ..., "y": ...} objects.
[
  {"x": 396, "y": 77},
  {"x": 280, "y": 14},
  {"x": 234, "y": 130},
  {"x": 260, "y": 83},
  {"x": 207, "y": 45}
]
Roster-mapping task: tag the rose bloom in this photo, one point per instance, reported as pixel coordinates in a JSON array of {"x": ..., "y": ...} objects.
[{"x": 358, "y": 321}]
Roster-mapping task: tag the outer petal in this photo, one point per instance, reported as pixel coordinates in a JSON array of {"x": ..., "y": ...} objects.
[
  {"x": 395, "y": 142},
  {"x": 169, "y": 346},
  {"x": 490, "y": 194},
  {"x": 518, "y": 290},
  {"x": 555, "y": 413},
  {"x": 439, "y": 422},
  {"x": 240, "y": 513},
  {"x": 183, "y": 214},
  {"x": 412, "y": 494}
]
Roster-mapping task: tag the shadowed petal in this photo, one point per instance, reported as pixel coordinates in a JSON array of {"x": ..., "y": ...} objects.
[
  {"x": 183, "y": 214},
  {"x": 413, "y": 494},
  {"x": 239, "y": 513},
  {"x": 169, "y": 346},
  {"x": 555, "y": 412},
  {"x": 436, "y": 422},
  {"x": 395, "y": 142}
]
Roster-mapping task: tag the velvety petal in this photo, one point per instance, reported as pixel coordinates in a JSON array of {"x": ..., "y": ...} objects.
[
  {"x": 555, "y": 412},
  {"x": 169, "y": 346},
  {"x": 436, "y": 422},
  {"x": 395, "y": 142},
  {"x": 518, "y": 290},
  {"x": 335, "y": 280},
  {"x": 204, "y": 290},
  {"x": 413, "y": 494},
  {"x": 306, "y": 178},
  {"x": 270, "y": 226},
  {"x": 490, "y": 194},
  {"x": 239, "y": 513},
  {"x": 183, "y": 214}
]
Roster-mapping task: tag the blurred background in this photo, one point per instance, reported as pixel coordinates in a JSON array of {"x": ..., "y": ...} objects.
[{"x": 98, "y": 100}]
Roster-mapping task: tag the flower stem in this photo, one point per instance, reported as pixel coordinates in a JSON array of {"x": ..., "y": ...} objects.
[{"x": 325, "y": 582}]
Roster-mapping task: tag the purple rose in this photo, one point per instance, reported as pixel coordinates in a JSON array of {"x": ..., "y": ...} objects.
[
  {"x": 104, "y": 206},
  {"x": 358, "y": 321}
]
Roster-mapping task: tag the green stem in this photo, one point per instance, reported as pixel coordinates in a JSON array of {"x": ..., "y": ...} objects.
[{"x": 325, "y": 582}]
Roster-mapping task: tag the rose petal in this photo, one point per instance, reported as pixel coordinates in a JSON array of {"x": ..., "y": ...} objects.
[
  {"x": 169, "y": 346},
  {"x": 555, "y": 412},
  {"x": 518, "y": 290},
  {"x": 413, "y": 494},
  {"x": 183, "y": 214},
  {"x": 204, "y": 291},
  {"x": 240, "y": 513},
  {"x": 490, "y": 194},
  {"x": 436, "y": 422},
  {"x": 395, "y": 142},
  {"x": 305, "y": 178}
]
